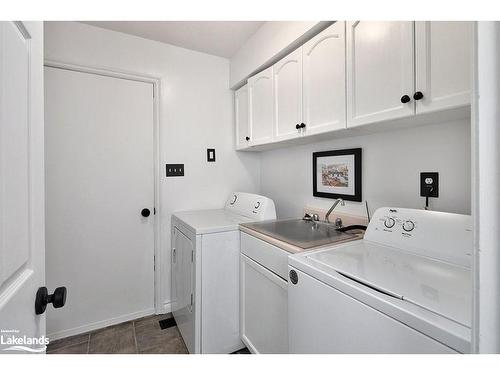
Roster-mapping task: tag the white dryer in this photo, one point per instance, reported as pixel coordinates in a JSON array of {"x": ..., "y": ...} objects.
[
  {"x": 205, "y": 271},
  {"x": 405, "y": 288}
]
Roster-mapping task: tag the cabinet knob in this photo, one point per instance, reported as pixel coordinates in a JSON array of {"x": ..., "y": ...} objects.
[
  {"x": 297, "y": 126},
  {"x": 247, "y": 138},
  {"x": 418, "y": 95},
  {"x": 405, "y": 99},
  {"x": 302, "y": 125}
]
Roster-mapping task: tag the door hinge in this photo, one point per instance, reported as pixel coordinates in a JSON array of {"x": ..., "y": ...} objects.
[
  {"x": 192, "y": 256},
  {"x": 191, "y": 299},
  {"x": 154, "y": 262}
]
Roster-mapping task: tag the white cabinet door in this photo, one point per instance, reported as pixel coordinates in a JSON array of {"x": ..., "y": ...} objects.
[
  {"x": 263, "y": 309},
  {"x": 287, "y": 80},
  {"x": 260, "y": 91},
  {"x": 380, "y": 71},
  {"x": 443, "y": 65},
  {"x": 241, "y": 117},
  {"x": 324, "y": 80}
]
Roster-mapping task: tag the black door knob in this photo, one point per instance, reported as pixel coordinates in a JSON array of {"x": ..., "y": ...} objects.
[
  {"x": 302, "y": 125},
  {"x": 43, "y": 298},
  {"x": 145, "y": 212},
  {"x": 297, "y": 126},
  {"x": 418, "y": 95},
  {"x": 405, "y": 99},
  {"x": 247, "y": 138}
]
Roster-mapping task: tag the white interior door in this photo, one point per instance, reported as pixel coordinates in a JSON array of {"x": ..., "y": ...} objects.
[
  {"x": 380, "y": 71},
  {"x": 99, "y": 177},
  {"x": 324, "y": 80},
  {"x": 287, "y": 84},
  {"x": 22, "y": 248},
  {"x": 443, "y": 64}
]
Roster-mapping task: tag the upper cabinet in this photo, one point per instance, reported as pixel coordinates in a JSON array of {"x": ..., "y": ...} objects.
[
  {"x": 287, "y": 75},
  {"x": 356, "y": 74},
  {"x": 323, "y": 59},
  {"x": 443, "y": 65},
  {"x": 261, "y": 108},
  {"x": 380, "y": 71},
  {"x": 241, "y": 117}
]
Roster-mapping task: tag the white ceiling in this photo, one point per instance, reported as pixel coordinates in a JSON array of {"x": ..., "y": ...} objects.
[{"x": 220, "y": 38}]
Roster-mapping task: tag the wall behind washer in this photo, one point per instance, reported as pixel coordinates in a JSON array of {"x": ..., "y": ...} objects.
[
  {"x": 392, "y": 162},
  {"x": 195, "y": 114}
]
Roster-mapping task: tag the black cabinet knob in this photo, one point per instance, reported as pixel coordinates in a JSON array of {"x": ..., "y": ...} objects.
[
  {"x": 294, "y": 278},
  {"x": 418, "y": 95},
  {"x": 43, "y": 298},
  {"x": 302, "y": 125},
  {"x": 247, "y": 138},
  {"x": 297, "y": 126},
  {"x": 145, "y": 212},
  {"x": 405, "y": 99}
]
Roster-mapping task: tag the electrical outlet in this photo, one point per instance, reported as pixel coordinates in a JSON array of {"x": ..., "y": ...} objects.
[
  {"x": 174, "y": 170},
  {"x": 428, "y": 181}
]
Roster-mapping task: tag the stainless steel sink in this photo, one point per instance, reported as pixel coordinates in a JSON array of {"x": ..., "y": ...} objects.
[{"x": 301, "y": 233}]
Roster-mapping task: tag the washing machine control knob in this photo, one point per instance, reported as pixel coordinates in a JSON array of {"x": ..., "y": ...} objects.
[
  {"x": 408, "y": 225},
  {"x": 389, "y": 222}
]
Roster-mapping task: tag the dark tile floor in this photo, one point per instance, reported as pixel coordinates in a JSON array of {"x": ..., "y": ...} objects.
[{"x": 140, "y": 336}]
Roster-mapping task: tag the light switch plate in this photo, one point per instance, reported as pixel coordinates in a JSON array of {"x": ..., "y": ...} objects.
[
  {"x": 174, "y": 170},
  {"x": 211, "y": 154}
]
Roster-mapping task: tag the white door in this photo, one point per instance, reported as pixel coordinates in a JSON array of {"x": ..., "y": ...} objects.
[
  {"x": 287, "y": 83},
  {"x": 260, "y": 91},
  {"x": 443, "y": 64},
  {"x": 324, "y": 80},
  {"x": 380, "y": 71},
  {"x": 22, "y": 247},
  {"x": 263, "y": 309},
  {"x": 99, "y": 178},
  {"x": 241, "y": 117},
  {"x": 183, "y": 276}
]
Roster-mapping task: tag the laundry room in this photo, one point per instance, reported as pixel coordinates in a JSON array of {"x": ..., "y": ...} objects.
[{"x": 249, "y": 185}]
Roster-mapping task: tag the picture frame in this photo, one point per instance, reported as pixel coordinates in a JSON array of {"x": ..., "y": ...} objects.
[{"x": 337, "y": 174}]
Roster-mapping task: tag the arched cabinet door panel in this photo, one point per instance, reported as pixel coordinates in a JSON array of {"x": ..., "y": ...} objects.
[
  {"x": 380, "y": 71},
  {"x": 324, "y": 91},
  {"x": 260, "y": 91}
]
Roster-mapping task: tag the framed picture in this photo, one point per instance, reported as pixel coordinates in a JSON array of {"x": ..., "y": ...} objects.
[{"x": 337, "y": 174}]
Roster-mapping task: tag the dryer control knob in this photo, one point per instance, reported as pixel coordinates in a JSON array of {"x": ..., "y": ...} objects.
[{"x": 233, "y": 200}]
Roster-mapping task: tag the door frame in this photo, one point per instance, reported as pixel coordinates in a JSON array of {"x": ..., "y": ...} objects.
[{"x": 156, "y": 82}]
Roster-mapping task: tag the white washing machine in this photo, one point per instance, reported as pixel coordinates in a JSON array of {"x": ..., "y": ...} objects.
[
  {"x": 205, "y": 271},
  {"x": 405, "y": 288}
]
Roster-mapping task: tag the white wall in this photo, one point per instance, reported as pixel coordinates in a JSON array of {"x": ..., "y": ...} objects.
[
  {"x": 391, "y": 163},
  {"x": 273, "y": 40},
  {"x": 195, "y": 113}
]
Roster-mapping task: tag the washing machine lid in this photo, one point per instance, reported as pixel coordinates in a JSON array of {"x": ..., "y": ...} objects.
[
  {"x": 211, "y": 221},
  {"x": 437, "y": 286}
]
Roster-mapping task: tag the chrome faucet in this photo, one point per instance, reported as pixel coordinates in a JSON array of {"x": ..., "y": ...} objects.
[{"x": 337, "y": 201}]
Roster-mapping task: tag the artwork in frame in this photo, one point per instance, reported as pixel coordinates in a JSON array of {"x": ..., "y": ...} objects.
[{"x": 337, "y": 174}]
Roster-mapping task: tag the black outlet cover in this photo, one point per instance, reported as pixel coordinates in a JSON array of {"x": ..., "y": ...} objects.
[
  {"x": 429, "y": 180},
  {"x": 174, "y": 170},
  {"x": 210, "y": 154}
]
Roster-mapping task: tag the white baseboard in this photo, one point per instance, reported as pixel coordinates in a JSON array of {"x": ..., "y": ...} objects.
[
  {"x": 101, "y": 324},
  {"x": 167, "y": 306}
]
